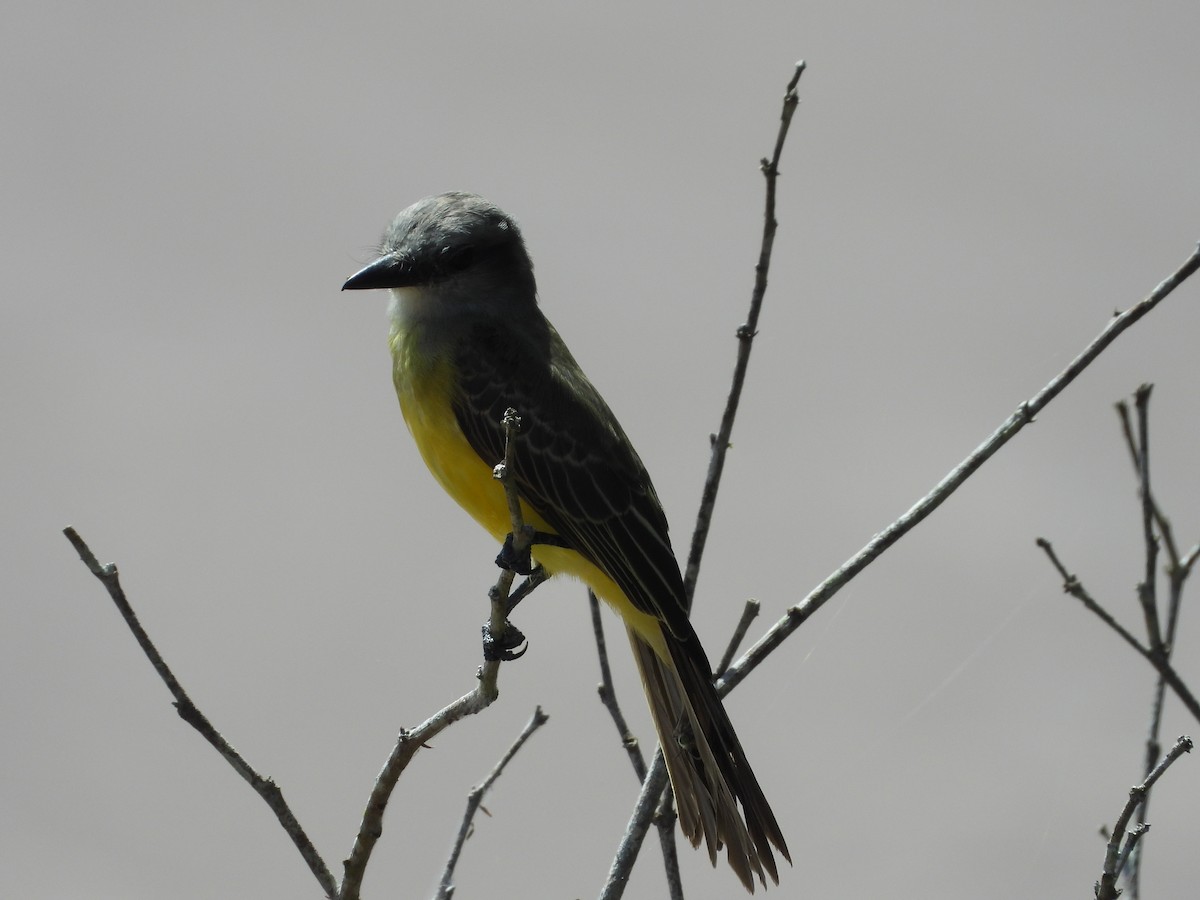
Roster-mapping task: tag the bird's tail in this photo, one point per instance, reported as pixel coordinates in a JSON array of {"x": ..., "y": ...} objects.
[{"x": 709, "y": 771}]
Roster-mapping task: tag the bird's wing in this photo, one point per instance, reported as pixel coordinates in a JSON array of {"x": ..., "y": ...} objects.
[{"x": 573, "y": 463}]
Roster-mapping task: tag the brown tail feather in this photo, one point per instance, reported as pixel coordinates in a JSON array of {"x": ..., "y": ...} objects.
[{"x": 709, "y": 771}]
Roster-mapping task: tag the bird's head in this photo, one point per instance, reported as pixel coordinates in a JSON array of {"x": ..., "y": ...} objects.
[{"x": 453, "y": 245}]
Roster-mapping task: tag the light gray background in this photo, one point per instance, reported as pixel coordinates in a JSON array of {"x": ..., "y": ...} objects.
[{"x": 969, "y": 191}]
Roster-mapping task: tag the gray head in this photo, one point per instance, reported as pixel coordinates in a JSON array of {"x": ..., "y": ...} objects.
[{"x": 454, "y": 243}]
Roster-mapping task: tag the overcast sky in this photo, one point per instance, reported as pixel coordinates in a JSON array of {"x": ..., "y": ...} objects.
[{"x": 968, "y": 193}]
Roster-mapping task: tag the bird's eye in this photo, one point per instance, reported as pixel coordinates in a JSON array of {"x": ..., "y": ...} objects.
[{"x": 455, "y": 259}]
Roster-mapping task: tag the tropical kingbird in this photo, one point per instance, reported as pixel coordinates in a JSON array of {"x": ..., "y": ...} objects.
[{"x": 468, "y": 342}]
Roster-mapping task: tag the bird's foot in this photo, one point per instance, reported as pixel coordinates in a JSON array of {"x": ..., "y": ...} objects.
[
  {"x": 505, "y": 647},
  {"x": 521, "y": 561}
]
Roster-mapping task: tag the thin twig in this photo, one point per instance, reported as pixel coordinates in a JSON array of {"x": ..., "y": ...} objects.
[
  {"x": 1164, "y": 526},
  {"x": 1072, "y": 586},
  {"x": 264, "y": 787},
  {"x": 1178, "y": 575},
  {"x": 664, "y": 819},
  {"x": 656, "y": 780},
  {"x": 608, "y": 694},
  {"x": 1157, "y": 531},
  {"x": 1147, "y": 594},
  {"x": 532, "y": 581},
  {"x": 475, "y": 800},
  {"x": 1114, "y": 857},
  {"x": 1179, "y": 567},
  {"x": 485, "y": 693},
  {"x": 406, "y": 747},
  {"x": 745, "y": 336},
  {"x": 1131, "y": 863},
  {"x": 749, "y": 613},
  {"x": 635, "y": 831},
  {"x": 1132, "y": 843},
  {"x": 799, "y": 614}
]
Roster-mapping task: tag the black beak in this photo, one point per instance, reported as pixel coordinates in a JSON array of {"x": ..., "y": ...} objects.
[{"x": 386, "y": 272}]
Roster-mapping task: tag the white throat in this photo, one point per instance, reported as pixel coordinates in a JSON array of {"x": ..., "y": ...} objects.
[{"x": 410, "y": 305}]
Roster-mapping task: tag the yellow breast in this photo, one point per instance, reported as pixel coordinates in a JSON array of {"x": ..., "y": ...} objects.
[
  {"x": 425, "y": 390},
  {"x": 425, "y": 386}
]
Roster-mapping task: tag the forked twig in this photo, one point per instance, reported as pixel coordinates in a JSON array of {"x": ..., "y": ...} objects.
[
  {"x": 656, "y": 779},
  {"x": 407, "y": 744},
  {"x": 264, "y": 787},
  {"x": 608, "y": 694},
  {"x": 1073, "y": 586},
  {"x": 484, "y": 694},
  {"x": 665, "y": 818},
  {"x": 1159, "y": 648},
  {"x": 1025, "y": 413},
  {"x": 475, "y": 801},
  {"x": 745, "y": 334},
  {"x": 1121, "y": 844},
  {"x": 749, "y": 613},
  {"x": 1147, "y": 594},
  {"x": 796, "y": 616}
]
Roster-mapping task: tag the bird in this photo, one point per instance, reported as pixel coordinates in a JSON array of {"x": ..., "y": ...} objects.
[{"x": 469, "y": 341}]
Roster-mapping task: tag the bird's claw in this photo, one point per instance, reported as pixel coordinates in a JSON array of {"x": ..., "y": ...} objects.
[
  {"x": 504, "y": 648},
  {"x": 521, "y": 562}
]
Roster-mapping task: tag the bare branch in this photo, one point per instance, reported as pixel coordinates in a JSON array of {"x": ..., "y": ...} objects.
[
  {"x": 1147, "y": 594},
  {"x": 1160, "y": 648},
  {"x": 608, "y": 694},
  {"x": 264, "y": 787},
  {"x": 745, "y": 335},
  {"x": 664, "y": 818},
  {"x": 1131, "y": 844},
  {"x": 635, "y": 831},
  {"x": 407, "y": 745},
  {"x": 1072, "y": 586},
  {"x": 664, "y": 821},
  {"x": 656, "y": 780},
  {"x": 1119, "y": 845},
  {"x": 1164, "y": 526},
  {"x": 532, "y": 581},
  {"x": 797, "y": 615},
  {"x": 497, "y": 631},
  {"x": 749, "y": 613},
  {"x": 1155, "y": 528},
  {"x": 475, "y": 800}
]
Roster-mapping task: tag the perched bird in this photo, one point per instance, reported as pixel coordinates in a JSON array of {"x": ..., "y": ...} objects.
[{"x": 468, "y": 342}]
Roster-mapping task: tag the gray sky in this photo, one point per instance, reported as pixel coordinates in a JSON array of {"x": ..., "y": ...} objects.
[{"x": 969, "y": 191}]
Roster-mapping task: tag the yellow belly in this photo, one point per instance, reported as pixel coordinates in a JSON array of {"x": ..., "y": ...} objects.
[{"x": 425, "y": 402}]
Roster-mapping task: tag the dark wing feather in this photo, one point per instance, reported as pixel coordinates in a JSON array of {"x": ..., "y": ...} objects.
[
  {"x": 576, "y": 467},
  {"x": 573, "y": 463}
]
